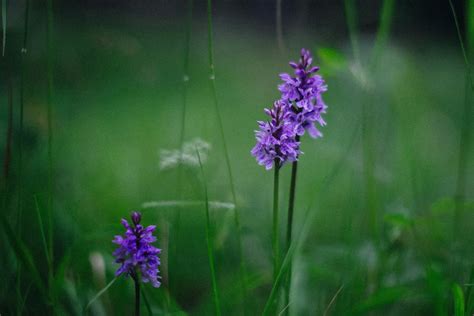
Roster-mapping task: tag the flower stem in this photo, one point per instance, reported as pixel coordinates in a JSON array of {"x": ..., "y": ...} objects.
[
  {"x": 49, "y": 42},
  {"x": 137, "y": 295},
  {"x": 289, "y": 227},
  {"x": 276, "y": 252},
  {"x": 210, "y": 243}
]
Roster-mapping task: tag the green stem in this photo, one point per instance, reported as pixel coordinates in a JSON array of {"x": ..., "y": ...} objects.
[
  {"x": 4, "y": 26},
  {"x": 289, "y": 227},
  {"x": 175, "y": 256},
  {"x": 212, "y": 76},
  {"x": 137, "y": 295},
  {"x": 275, "y": 235},
  {"x": 210, "y": 243},
  {"x": 49, "y": 38},
  {"x": 464, "y": 141},
  {"x": 20, "y": 132},
  {"x": 20, "y": 137},
  {"x": 279, "y": 26}
]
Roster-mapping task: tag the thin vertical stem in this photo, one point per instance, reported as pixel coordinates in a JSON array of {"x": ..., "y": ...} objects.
[
  {"x": 9, "y": 134},
  {"x": 174, "y": 256},
  {"x": 212, "y": 76},
  {"x": 210, "y": 242},
  {"x": 137, "y": 295},
  {"x": 275, "y": 235},
  {"x": 467, "y": 116},
  {"x": 351, "y": 18},
  {"x": 4, "y": 26},
  {"x": 20, "y": 137},
  {"x": 383, "y": 29},
  {"x": 22, "y": 103},
  {"x": 279, "y": 26},
  {"x": 289, "y": 227},
  {"x": 49, "y": 38}
]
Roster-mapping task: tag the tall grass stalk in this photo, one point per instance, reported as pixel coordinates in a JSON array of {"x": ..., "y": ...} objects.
[
  {"x": 4, "y": 26},
  {"x": 24, "y": 255},
  {"x": 20, "y": 131},
  {"x": 177, "y": 221},
  {"x": 41, "y": 227},
  {"x": 100, "y": 293},
  {"x": 383, "y": 30},
  {"x": 279, "y": 26},
  {"x": 49, "y": 39},
  {"x": 20, "y": 143},
  {"x": 351, "y": 20},
  {"x": 212, "y": 77},
  {"x": 210, "y": 242},
  {"x": 8, "y": 135},
  {"x": 368, "y": 108},
  {"x": 464, "y": 141}
]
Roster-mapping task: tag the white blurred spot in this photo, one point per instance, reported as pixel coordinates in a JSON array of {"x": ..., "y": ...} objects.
[
  {"x": 98, "y": 266},
  {"x": 186, "y": 155},
  {"x": 216, "y": 205}
]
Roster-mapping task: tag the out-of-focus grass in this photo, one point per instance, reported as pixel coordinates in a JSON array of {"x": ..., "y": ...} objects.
[{"x": 118, "y": 101}]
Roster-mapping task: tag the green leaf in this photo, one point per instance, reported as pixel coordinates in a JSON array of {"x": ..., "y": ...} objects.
[
  {"x": 443, "y": 205},
  {"x": 331, "y": 60},
  {"x": 458, "y": 300},
  {"x": 381, "y": 298},
  {"x": 41, "y": 226},
  {"x": 397, "y": 219},
  {"x": 470, "y": 294}
]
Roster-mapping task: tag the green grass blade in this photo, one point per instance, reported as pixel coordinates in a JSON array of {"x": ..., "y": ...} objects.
[
  {"x": 466, "y": 129},
  {"x": 100, "y": 293},
  {"x": 458, "y": 300},
  {"x": 279, "y": 26},
  {"x": 41, "y": 226},
  {"x": 24, "y": 255},
  {"x": 210, "y": 242},
  {"x": 333, "y": 300},
  {"x": 461, "y": 41},
  {"x": 352, "y": 20},
  {"x": 173, "y": 255},
  {"x": 147, "y": 304},
  {"x": 383, "y": 30},
  {"x": 470, "y": 294},
  {"x": 8, "y": 135},
  {"x": 49, "y": 43},
  {"x": 381, "y": 298}
]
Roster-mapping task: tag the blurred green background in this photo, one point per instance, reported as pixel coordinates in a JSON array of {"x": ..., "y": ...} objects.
[{"x": 388, "y": 190}]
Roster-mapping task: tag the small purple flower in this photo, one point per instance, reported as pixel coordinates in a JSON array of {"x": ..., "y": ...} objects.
[
  {"x": 138, "y": 258},
  {"x": 303, "y": 94},
  {"x": 276, "y": 138}
]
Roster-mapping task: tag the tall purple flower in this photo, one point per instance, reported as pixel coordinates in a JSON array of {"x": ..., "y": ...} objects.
[
  {"x": 136, "y": 254},
  {"x": 303, "y": 94},
  {"x": 276, "y": 137}
]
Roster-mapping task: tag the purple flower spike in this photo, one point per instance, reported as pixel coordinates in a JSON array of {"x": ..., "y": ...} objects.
[
  {"x": 303, "y": 94},
  {"x": 136, "y": 254},
  {"x": 276, "y": 138}
]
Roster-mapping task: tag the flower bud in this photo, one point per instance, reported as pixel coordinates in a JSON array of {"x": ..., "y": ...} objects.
[{"x": 136, "y": 218}]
